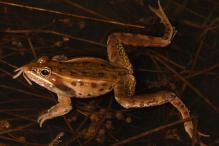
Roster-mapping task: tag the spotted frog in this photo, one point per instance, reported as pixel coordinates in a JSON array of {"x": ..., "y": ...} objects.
[{"x": 87, "y": 77}]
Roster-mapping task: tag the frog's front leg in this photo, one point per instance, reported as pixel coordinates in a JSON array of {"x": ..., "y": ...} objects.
[{"x": 62, "y": 108}]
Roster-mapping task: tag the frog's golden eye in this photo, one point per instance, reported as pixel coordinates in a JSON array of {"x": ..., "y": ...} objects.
[{"x": 45, "y": 72}]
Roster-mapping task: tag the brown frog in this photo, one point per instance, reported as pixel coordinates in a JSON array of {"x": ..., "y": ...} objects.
[{"x": 88, "y": 77}]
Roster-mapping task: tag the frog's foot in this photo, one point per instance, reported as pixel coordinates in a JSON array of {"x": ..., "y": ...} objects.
[
  {"x": 159, "y": 12},
  {"x": 170, "y": 30},
  {"x": 55, "y": 111},
  {"x": 60, "y": 109}
]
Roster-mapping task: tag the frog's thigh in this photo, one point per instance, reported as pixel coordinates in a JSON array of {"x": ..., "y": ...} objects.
[
  {"x": 154, "y": 99},
  {"x": 62, "y": 108},
  {"x": 117, "y": 54}
]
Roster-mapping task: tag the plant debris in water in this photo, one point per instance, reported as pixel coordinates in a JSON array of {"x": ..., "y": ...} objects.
[{"x": 188, "y": 66}]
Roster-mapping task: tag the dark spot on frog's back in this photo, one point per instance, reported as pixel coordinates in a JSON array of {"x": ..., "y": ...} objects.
[
  {"x": 85, "y": 73},
  {"x": 101, "y": 89},
  {"x": 74, "y": 83},
  {"x": 122, "y": 73},
  {"x": 110, "y": 88},
  {"x": 101, "y": 74},
  {"x": 114, "y": 77},
  {"x": 85, "y": 62},
  {"x": 93, "y": 85},
  {"x": 66, "y": 89},
  {"x": 105, "y": 65},
  {"x": 73, "y": 73}
]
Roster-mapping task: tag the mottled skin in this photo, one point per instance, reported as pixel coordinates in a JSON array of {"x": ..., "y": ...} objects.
[
  {"x": 88, "y": 77},
  {"x": 83, "y": 77}
]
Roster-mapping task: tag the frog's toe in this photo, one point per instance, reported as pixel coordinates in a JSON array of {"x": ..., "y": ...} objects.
[
  {"x": 42, "y": 118},
  {"x": 159, "y": 12}
]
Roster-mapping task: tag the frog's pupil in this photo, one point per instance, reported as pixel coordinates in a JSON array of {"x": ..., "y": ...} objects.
[{"x": 45, "y": 72}]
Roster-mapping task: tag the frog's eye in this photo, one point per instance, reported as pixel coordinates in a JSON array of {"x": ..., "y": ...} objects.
[
  {"x": 42, "y": 59},
  {"x": 45, "y": 72}
]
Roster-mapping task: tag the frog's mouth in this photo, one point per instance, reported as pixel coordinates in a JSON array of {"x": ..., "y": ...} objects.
[
  {"x": 20, "y": 71},
  {"x": 31, "y": 75}
]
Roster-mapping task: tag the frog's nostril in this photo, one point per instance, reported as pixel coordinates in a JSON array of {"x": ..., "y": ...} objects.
[{"x": 34, "y": 69}]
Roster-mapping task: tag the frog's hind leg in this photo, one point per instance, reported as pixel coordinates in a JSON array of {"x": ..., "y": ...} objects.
[
  {"x": 116, "y": 39},
  {"x": 62, "y": 108},
  {"x": 154, "y": 99},
  {"x": 116, "y": 51}
]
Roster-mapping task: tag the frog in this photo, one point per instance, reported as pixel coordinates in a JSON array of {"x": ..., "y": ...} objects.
[{"x": 88, "y": 77}]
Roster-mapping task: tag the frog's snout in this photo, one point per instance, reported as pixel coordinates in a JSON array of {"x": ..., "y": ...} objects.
[{"x": 26, "y": 69}]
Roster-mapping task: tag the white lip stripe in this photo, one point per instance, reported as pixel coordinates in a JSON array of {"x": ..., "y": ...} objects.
[{"x": 38, "y": 79}]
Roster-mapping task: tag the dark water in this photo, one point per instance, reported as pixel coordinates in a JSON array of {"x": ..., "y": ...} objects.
[{"x": 27, "y": 34}]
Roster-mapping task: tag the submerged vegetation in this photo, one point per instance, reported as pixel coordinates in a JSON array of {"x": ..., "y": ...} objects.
[{"x": 189, "y": 66}]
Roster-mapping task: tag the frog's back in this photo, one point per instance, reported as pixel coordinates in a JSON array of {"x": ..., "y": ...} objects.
[
  {"x": 89, "y": 68},
  {"x": 88, "y": 77}
]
